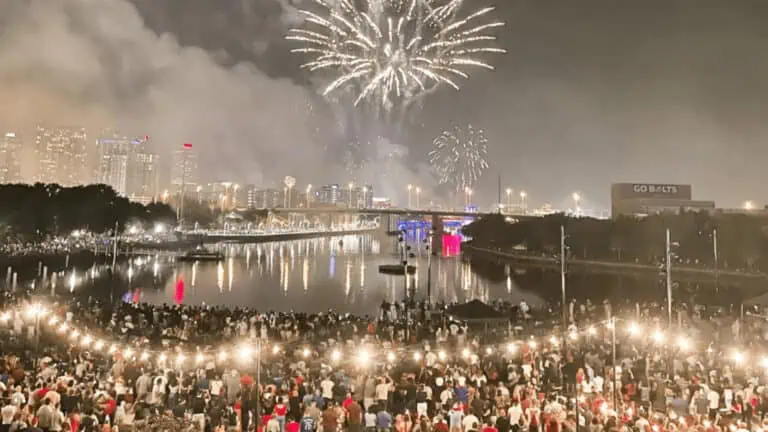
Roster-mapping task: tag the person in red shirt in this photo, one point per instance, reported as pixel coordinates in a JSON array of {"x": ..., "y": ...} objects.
[
  {"x": 487, "y": 427},
  {"x": 292, "y": 426},
  {"x": 347, "y": 401},
  {"x": 280, "y": 411}
]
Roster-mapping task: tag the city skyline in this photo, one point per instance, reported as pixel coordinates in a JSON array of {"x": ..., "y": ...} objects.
[{"x": 653, "y": 91}]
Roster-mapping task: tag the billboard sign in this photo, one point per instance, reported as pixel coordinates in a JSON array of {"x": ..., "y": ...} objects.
[{"x": 654, "y": 190}]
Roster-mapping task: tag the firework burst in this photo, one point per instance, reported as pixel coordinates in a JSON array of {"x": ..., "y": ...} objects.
[
  {"x": 391, "y": 51},
  {"x": 459, "y": 155}
]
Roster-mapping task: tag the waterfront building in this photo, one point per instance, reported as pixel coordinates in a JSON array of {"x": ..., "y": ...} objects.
[{"x": 10, "y": 158}]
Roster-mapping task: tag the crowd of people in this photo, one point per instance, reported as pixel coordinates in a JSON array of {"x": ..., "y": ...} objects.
[{"x": 332, "y": 372}]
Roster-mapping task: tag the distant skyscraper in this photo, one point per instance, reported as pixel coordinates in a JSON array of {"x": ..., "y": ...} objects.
[
  {"x": 10, "y": 158},
  {"x": 114, "y": 156},
  {"x": 62, "y": 156},
  {"x": 184, "y": 170},
  {"x": 143, "y": 174},
  {"x": 265, "y": 198}
]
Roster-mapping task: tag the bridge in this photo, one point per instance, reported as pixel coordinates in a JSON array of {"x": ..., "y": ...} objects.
[
  {"x": 388, "y": 217},
  {"x": 392, "y": 211}
]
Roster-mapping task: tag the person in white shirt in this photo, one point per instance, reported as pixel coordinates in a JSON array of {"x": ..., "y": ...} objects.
[
  {"x": 382, "y": 392},
  {"x": 470, "y": 423},
  {"x": 327, "y": 387},
  {"x": 515, "y": 414}
]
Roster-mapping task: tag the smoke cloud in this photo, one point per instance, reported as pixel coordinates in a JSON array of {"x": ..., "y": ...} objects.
[{"x": 95, "y": 64}]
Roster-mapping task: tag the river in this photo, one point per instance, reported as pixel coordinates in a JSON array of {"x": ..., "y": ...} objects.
[{"x": 341, "y": 273}]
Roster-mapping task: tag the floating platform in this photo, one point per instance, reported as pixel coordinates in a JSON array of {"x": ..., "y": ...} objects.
[{"x": 396, "y": 269}]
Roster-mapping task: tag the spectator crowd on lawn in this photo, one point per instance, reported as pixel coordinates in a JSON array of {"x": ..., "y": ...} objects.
[{"x": 334, "y": 372}]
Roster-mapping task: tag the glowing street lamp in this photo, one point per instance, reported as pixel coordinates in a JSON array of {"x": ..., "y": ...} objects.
[
  {"x": 309, "y": 190},
  {"x": 351, "y": 185},
  {"x": 523, "y": 196},
  {"x": 509, "y": 197},
  {"x": 410, "y": 187},
  {"x": 749, "y": 205},
  {"x": 365, "y": 191},
  {"x": 198, "y": 190},
  {"x": 467, "y": 196},
  {"x": 418, "y": 193}
]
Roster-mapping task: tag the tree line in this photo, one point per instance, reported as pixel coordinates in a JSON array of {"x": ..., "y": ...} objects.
[
  {"x": 40, "y": 210},
  {"x": 739, "y": 241}
]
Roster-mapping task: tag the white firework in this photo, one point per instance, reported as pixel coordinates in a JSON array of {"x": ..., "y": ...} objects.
[
  {"x": 459, "y": 156},
  {"x": 391, "y": 51}
]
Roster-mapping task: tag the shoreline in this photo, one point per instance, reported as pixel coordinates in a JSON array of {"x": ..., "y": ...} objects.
[{"x": 597, "y": 266}]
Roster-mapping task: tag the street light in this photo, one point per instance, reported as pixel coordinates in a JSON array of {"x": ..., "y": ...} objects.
[
  {"x": 198, "y": 190},
  {"x": 523, "y": 195},
  {"x": 410, "y": 187},
  {"x": 365, "y": 191},
  {"x": 509, "y": 198},
  {"x": 749, "y": 205},
  {"x": 309, "y": 189},
  {"x": 351, "y": 185},
  {"x": 418, "y": 193},
  {"x": 576, "y": 198},
  {"x": 235, "y": 187}
]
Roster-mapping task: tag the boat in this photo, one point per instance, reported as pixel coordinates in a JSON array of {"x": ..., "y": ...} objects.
[
  {"x": 201, "y": 255},
  {"x": 396, "y": 269}
]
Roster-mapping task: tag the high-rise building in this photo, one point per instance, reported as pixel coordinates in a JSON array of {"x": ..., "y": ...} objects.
[
  {"x": 10, "y": 158},
  {"x": 184, "y": 170},
  {"x": 259, "y": 198},
  {"x": 143, "y": 174},
  {"x": 62, "y": 156},
  {"x": 115, "y": 154},
  {"x": 345, "y": 196}
]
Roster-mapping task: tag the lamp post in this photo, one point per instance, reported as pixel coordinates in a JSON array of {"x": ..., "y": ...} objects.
[
  {"x": 576, "y": 199},
  {"x": 523, "y": 195},
  {"x": 198, "y": 190},
  {"x": 509, "y": 198},
  {"x": 669, "y": 278},
  {"x": 309, "y": 190},
  {"x": 290, "y": 182},
  {"x": 235, "y": 188},
  {"x": 467, "y": 196},
  {"x": 613, "y": 361},
  {"x": 418, "y": 194},
  {"x": 351, "y": 185},
  {"x": 715, "y": 256},
  {"x": 410, "y": 187}
]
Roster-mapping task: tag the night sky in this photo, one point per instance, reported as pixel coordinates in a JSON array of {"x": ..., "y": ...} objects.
[{"x": 590, "y": 92}]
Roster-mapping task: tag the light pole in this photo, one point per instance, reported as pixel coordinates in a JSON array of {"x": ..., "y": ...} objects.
[
  {"x": 576, "y": 199},
  {"x": 235, "y": 188},
  {"x": 309, "y": 190},
  {"x": 290, "y": 182},
  {"x": 410, "y": 187},
  {"x": 613, "y": 358},
  {"x": 715, "y": 254},
  {"x": 467, "y": 196},
  {"x": 351, "y": 185},
  {"x": 523, "y": 207},
  {"x": 365, "y": 191},
  {"x": 669, "y": 278},
  {"x": 418, "y": 194},
  {"x": 198, "y": 190},
  {"x": 509, "y": 198},
  {"x": 562, "y": 280}
]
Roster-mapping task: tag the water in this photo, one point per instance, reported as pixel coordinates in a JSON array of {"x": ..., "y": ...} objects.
[
  {"x": 341, "y": 273},
  {"x": 313, "y": 275}
]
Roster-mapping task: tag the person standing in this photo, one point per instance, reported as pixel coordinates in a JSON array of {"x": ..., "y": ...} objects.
[{"x": 354, "y": 417}]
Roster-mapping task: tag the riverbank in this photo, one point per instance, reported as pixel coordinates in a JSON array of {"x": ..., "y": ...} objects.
[{"x": 614, "y": 267}]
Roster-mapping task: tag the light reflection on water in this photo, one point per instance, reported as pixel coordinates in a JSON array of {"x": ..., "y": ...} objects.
[{"x": 313, "y": 275}]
